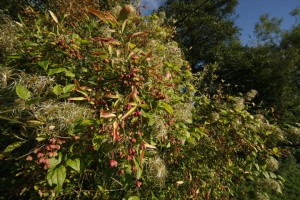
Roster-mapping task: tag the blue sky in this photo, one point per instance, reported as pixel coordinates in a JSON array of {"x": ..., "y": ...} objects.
[{"x": 249, "y": 12}]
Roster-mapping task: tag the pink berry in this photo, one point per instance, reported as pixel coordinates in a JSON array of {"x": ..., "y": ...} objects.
[
  {"x": 138, "y": 184},
  {"x": 113, "y": 163},
  {"x": 29, "y": 158}
]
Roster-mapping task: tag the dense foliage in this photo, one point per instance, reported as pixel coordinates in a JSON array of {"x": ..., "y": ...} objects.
[{"x": 103, "y": 105}]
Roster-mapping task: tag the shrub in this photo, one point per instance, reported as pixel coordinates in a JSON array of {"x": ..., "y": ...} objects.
[{"x": 108, "y": 110}]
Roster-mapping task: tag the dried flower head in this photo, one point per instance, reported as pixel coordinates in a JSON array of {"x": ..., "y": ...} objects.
[
  {"x": 214, "y": 117},
  {"x": 159, "y": 129},
  {"x": 272, "y": 164},
  {"x": 260, "y": 118},
  {"x": 251, "y": 95},
  {"x": 157, "y": 170},
  {"x": 9, "y": 39},
  {"x": 262, "y": 196},
  {"x": 183, "y": 112},
  {"x": 273, "y": 185},
  {"x": 7, "y": 75},
  {"x": 239, "y": 103},
  {"x": 61, "y": 116},
  {"x": 294, "y": 132},
  {"x": 279, "y": 134},
  {"x": 35, "y": 83}
]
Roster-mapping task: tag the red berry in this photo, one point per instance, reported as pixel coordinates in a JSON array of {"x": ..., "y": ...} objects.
[
  {"x": 133, "y": 140},
  {"x": 41, "y": 160},
  {"x": 113, "y": 163},
  {"x": 52, "y": 140},
  {"x": 36, "y": 150},
  {"x": 29, "y": 158},
  {"x": 138, "y": 184},
  {"x": 121, "y": 171},
  {"x": 39, "y": 155},
  {"x": 129, "y": 158},
  {"x": 48, "y": 148},
  {"x": 132, "y": 151}
]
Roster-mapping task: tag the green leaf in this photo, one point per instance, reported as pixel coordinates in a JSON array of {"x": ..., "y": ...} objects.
[
  {"x": 54, "y": 162},
  {"x": 74, "y": 164},
  {"x": 22, "y": 92},
  {"x": 57, "y": 90},
  {"x": 34, "y": 123},
  {"x": 69, "y": 88},
  {"x": 56, "y": 176},
  {"x": 41, "y": 138},
  {"x": 167, "y": 107},
  {"x": 139, "y": 171},
  {"x": 56, "y": 71},
  {"x": 69, "y": 73},
  {"x": 44, "y": 64},
  {"x": 12, "y": 147},
  {"x": 134, "y": 198},
  {"x": 33, "y": 101},
  {"x": 98, "y": 140}
]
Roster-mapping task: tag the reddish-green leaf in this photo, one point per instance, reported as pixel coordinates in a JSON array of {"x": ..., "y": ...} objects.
[{"x": 105, "y": 114}]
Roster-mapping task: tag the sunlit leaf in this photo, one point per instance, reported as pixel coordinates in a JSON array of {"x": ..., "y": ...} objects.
[
  {"x": 104, "y": 114},
  {"x": 134, "y": 198},
  {"x": 12, "y": 147},
  {"x": 22, "y": 92},
  {"x": 69, "y": 88},
  {"x": 137, "y": 34},
  {"x": 76, "y": 98},
  {"x": 57, "y": 90},
  {"x": 53, "y": 16},
  {"x": 139, "y": 170},
  {"x": 56, "y": 176},
  {"x": 69, "y": 73},
  {"x": 56, "y": 71},
  {"x": 112, "y": 96},
  {"x": 167, "y": 107},
  {"x": 74, "y": 164},
  {"x": 129, "y": 112},
  {"x": 44, "y": 64}
]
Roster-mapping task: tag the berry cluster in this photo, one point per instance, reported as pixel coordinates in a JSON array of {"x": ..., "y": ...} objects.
[{"x": 47, "y": 152}]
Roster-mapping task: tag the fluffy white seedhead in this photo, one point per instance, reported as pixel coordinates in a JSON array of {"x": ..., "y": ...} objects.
[
  {"x": 61, "y": 116},
  {"x": 239, "y": 103},
  {"x": 183, "y": 112},
  {"x": 251, "y": 95},
  {"x": 157, "y": 170},
  {"x": 272, "y": 164},
  {"x": 214, "y": 117},
  {"x": 159, "y": 128}
]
